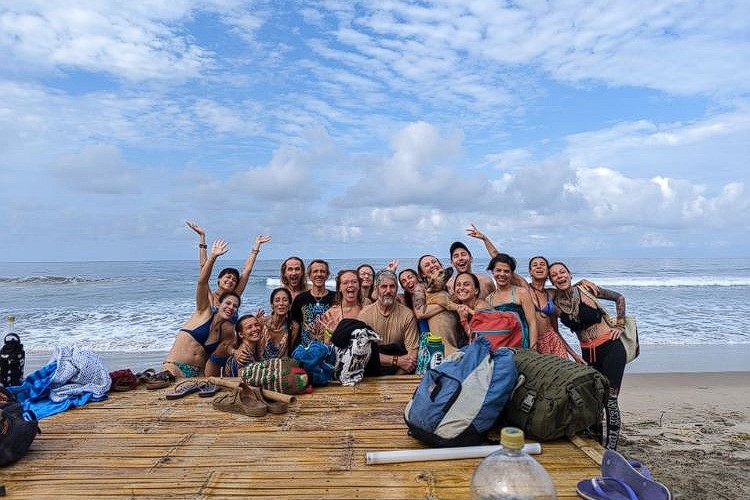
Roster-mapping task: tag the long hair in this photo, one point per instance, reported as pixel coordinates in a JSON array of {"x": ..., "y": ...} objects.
[{"x": 282, "y": 272}]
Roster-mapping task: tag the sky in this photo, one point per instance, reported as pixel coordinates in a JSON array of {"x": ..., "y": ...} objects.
[{"x": 374, "y": 129}]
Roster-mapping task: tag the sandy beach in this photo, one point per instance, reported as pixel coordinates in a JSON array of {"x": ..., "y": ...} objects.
[{"x": 690, "y": 428}]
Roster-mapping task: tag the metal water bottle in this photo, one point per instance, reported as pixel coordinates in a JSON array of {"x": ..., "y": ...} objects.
[
  {"x": 423, "y": 355},
  {"x": 436, "y": 349}
]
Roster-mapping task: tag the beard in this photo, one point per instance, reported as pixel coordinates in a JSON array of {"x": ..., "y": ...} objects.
[{"x": 387, "y": 300}]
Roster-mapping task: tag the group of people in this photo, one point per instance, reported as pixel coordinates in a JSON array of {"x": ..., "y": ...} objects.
[{"x": 216, "y": 340}]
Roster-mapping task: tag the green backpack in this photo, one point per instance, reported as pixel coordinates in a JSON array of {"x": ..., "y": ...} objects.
[{"x": 554, "y": 397}]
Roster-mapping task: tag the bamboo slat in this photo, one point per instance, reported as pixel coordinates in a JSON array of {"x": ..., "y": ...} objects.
[{"x": 139, "y": 445}]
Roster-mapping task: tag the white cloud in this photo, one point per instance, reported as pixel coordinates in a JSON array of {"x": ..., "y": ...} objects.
[
  {"x": 97, "y": 169},
  {"x": 123, "y": 40}
]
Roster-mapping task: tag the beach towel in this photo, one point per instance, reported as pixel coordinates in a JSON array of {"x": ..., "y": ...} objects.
[{"x": 72, "y": 378}]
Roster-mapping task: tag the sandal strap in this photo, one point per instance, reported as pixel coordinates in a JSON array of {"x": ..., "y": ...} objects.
[{"x": 596, "y": 484}]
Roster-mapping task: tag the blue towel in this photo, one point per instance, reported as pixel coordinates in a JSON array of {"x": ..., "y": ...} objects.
[
  {"x": 72, "y": 378},
  {"x": 318, "y": 360}
]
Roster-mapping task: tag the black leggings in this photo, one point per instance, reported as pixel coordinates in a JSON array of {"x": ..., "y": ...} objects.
[{"x": 609, "y": 360}]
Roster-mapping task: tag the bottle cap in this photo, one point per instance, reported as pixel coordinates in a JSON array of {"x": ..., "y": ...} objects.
[
  {"x": 431, "y": 337},
  {"x": 512, "y": 438},
  {"x": 11, "y": 318}
]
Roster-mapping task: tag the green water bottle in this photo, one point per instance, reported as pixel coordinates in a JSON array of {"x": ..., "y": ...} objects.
[{"x": 436, "y": 349}]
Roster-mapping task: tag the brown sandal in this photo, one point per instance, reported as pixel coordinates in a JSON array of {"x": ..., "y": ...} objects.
[
  {"x": 276, "y": 407},
  {"x": 235, "y": 403}
]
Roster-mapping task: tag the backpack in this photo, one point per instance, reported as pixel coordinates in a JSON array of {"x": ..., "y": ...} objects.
[
  {"x": 278, "y": 374},
  {"x": 458, "y": 402},
  {"x": 501, "y": 328},
  {"x": 12, "y": 357},
  {"x": 554, "y": 397},
  {"x": 18, "y": 428},
  {"x": 353, "y": 342}
]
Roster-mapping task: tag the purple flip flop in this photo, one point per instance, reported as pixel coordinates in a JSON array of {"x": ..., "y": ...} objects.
[{"x": 622, "y": 481}]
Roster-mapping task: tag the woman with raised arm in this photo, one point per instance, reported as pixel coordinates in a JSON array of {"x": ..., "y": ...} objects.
[
  {"x": 207, "y": 327},
  {"x": 230, "y": 279},
  {"x": 600, "y": 343}
]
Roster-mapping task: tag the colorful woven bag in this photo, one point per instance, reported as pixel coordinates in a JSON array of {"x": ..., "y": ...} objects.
[{"x": 279, "y": 374}]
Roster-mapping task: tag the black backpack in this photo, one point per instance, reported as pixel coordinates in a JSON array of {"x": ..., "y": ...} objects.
[
  {"x": 18, "y": 428},
  {"x": 12, "y": 359},
  {"x": 555, "y": 397}
]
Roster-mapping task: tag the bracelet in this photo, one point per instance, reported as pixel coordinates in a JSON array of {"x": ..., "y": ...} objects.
[
  {"x": 394, "y": 362},
  {"x": 254, "y": 251},
  {"x": 202, "y": 245},
  {"x": 328, "y": 334}
]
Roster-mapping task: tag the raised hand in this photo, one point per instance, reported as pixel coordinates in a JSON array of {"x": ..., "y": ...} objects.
[
  {"x": 196, "y": 228},
  {"x": 220, "y": 247},
  {"x": 260, "y": 239},
  {"x": 392, "y": 265},
  {"x": 475, "y": 233}
]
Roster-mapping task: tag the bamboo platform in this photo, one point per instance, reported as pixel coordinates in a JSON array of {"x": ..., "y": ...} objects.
[{"x": 138, "y": 444}]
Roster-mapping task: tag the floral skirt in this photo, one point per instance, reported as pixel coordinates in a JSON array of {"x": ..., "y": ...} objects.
[{"x": 550, "y": 342}]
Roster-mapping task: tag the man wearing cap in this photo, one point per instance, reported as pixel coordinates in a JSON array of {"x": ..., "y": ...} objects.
[
  {"x": 395, "y": 324},
  {"x": 461, "y": 260}
]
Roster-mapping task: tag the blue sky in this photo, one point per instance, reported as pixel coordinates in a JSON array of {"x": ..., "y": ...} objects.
[{"x": 374, "y": 129}]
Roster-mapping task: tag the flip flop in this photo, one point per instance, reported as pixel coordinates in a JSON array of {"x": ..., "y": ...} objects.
[
  {"x": 640, "y": 468},
  {"x": 622, "y": 481},
  {"x": 183, "y": 389},
  {"x": 616, "y": 466},
  {"x": 605, "y": 488},
  {"x": 207, "y": 389}
]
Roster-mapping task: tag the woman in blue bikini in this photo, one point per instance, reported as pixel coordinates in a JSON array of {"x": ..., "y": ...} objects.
[{"x": 207, "y": 326}]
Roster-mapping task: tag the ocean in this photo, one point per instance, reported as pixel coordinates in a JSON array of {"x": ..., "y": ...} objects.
[{"x": 139, "y": 306}]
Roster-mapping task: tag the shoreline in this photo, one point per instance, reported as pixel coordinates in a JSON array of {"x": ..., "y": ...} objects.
[{"x": 654, "y": 358}]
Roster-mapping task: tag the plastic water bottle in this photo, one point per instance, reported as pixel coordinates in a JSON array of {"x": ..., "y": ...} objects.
[
  {"x": 511, "y": 474},
  {"x": 436, "y": 349}
]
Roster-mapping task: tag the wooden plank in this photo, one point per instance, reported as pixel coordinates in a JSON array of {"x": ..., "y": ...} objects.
[{"x": 138, "y": 444}]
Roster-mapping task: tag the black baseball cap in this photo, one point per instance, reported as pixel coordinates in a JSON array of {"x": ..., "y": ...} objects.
[{"x": 456, "y": 245}]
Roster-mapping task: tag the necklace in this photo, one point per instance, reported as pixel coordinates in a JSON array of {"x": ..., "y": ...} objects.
[{"x": 318, "y": 298}]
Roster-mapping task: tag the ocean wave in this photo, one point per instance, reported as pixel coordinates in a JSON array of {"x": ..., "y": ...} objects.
[
  {"x": 635, "y": 281},
  {"x": 276, "y": 282},
  {"x": 50, "y": 280},
  {"x": 673, "y": 281}
]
